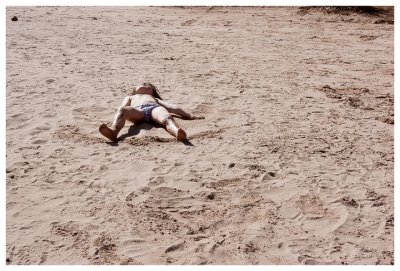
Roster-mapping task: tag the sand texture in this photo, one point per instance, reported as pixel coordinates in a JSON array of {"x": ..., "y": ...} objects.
[{"x": 293, "y": 163}]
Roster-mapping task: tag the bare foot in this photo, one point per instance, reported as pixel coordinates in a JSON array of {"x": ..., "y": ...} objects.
[
  {"x": 180, "y": 135},
  {"x": 174, "y": 129},
  {"x": 107, "y": 132}
]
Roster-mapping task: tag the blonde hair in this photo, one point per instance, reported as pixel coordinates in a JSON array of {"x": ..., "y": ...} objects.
[{"x": 156, "y": 92}]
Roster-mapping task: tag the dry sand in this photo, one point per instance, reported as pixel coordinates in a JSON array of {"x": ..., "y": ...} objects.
[{"x": 293, "y": 163}]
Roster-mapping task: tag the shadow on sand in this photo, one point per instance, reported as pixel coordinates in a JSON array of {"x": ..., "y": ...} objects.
[{"x": 135, "y": 129}]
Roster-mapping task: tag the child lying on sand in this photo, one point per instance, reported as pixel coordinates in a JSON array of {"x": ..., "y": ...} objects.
[{"x": 145, "y": 104}]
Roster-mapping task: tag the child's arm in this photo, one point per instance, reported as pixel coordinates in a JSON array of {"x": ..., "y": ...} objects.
[
  {"x": 126, "y": 101},
  {"x": 177, "y": 110}
]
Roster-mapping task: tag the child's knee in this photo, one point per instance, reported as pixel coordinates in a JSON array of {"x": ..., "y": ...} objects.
[
  {"x": 165, "y": 119},
  {"x": 122, "y": 109},
  {"x": 168, "y": 117}
]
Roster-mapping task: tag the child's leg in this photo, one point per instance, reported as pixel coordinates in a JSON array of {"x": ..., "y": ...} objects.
[
  {"x": 161, "y": 116},
  {"x": 124, "y": 113}
]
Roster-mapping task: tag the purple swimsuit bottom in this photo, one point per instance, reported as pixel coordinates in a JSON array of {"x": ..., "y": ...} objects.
[{"x": 147, "y": 108}]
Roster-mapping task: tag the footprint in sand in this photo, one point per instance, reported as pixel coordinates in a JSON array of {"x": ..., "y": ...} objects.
[
  {"x": 18, "y": 121},
  {"x": 40, "y": 129},
  {"x": 156, "y": 181},
  {"x": 164, "y": 168},
  {"x": 317, "y": 215},
  {"x": 48, "y": 115},
  {"x": 203, "y": 108},
  {"x": 38, "y": 141}
]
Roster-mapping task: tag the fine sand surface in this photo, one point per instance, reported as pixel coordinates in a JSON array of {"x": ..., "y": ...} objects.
[{"x": 293, "y": 163}]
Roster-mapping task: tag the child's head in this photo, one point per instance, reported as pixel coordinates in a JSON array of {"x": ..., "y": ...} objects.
[{"x": 156, "y": 93}]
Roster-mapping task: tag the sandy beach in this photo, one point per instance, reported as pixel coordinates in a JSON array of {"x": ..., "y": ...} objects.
[{"x": 293, "y": 163}]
